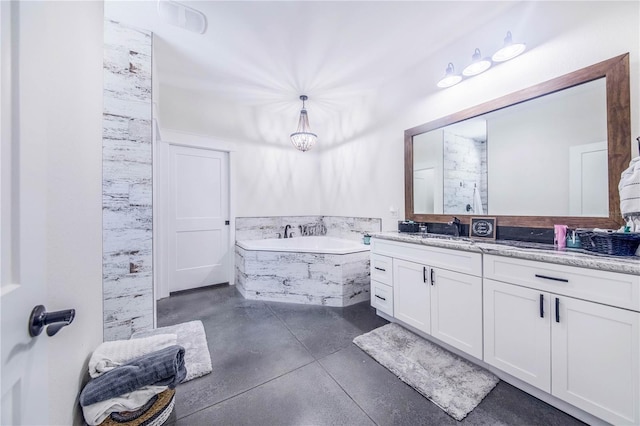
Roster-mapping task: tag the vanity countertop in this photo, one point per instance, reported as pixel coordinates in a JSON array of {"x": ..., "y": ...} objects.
[{"x": 523, "y": 250}]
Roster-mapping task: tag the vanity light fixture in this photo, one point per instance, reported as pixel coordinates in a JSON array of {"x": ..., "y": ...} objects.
[
  {"x": 303, "y": 138},
  {"x": 450, "y": 77},
  {"x": 478, "y": 64},
  {"x": 510, "y": 49}
]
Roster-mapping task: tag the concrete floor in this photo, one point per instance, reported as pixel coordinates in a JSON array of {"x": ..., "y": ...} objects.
[{"x": 287, "y": 364}]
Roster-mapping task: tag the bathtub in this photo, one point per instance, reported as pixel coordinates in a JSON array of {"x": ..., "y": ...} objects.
[
  {"x": 312, "y": 270},
  {"x": 328, "y": 245}
]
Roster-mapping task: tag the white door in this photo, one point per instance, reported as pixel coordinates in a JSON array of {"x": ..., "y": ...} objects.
[
  {"x": 411, "y": 294},
  {"x": 517, "y": 331},
  {"x": 198, "y": 204},
  {"x": 596, "y": 360},
  {"x": 456, "y": 310},
  {"x": 423, "y": 190},
  {"x": 23, "y": 368},
  {"x": 588, "y": 180}
]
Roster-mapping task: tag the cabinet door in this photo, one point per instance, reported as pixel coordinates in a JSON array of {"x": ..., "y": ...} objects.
[
  {"x": 382, "y": 297},
  {"x": 456, "y": 310},
  {"x": 517, "y": 337},
  {"x": 596, "y": 364},
  {"x": 411, "y": 294},
  {"x": 381, "y": 269}
]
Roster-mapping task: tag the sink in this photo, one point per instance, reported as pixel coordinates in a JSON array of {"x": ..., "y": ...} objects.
[
  {"x": 445, "y": 237},
  {"x": 525, "y": 245}
]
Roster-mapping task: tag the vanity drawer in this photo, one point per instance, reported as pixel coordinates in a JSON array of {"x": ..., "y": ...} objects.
[
  {"x": 381, "y": 269},
  {"x": 382, "y": 297},
  {"x": 610, "y": 288},
  {"x": 462, "y": 261}
]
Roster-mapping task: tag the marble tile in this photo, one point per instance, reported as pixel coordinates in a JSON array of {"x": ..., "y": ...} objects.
[
  {"x": 118, "y": 35},
  {"x": 349, "y": 228},
  {"x": 258, "y": 228},
  {"x": 127, "y": 179},
  {"x": 309, "y": 278}
]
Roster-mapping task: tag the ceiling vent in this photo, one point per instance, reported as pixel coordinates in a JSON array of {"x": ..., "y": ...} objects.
[{"x": 182, "y": 16}]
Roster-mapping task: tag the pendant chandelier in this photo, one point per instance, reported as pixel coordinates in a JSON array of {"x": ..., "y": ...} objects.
[{"x": 303, "y": 138}]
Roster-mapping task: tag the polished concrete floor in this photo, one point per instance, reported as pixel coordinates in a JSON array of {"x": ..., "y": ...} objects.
[{"x": 287, "y": 364}]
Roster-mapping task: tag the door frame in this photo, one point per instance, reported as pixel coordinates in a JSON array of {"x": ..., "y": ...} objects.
[{"x": 163, "y": 140}]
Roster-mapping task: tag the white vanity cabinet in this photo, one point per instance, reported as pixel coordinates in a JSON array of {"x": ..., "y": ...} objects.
[
  {"x": 381, "y": 283},
  {"x": 572, "y": 332},
  {"x": 411, "y": 294},
  {"x": 435, "y": 290}
]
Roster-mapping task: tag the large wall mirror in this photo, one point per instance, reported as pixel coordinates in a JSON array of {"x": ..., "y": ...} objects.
[{"x": 548, "y": 154}]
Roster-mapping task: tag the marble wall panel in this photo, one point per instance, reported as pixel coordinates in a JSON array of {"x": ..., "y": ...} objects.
[
  {"x": 127, "y": 180},
  {"x": 350, "y": 228},
  {"x": 259, "y": 228},
  {"x": 465, "y": 169},
  {"x": 309, "y": 278}
]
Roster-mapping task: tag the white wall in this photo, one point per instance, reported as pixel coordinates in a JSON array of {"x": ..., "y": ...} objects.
[
  {"x": 363, "y": 174},
  {"x": 66, "y": 48},
  {"x": 562, "y": 37}
]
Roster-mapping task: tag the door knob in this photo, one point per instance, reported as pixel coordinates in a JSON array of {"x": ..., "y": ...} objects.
[{"x": 40, "y": 318}]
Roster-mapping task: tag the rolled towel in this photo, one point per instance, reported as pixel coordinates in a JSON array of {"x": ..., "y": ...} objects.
[
  {"x": 160, "y": 368},
  {"x": 110, "y": 355},
  {"x": 94, "y": 414},
  {"x": 477, "y": 201},
  {"x": 629, "y": 188}
]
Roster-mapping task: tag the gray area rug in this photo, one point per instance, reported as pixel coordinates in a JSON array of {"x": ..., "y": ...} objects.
[
  {"x": 452, "y": 383},
  {"x": 192, "y": 337}
]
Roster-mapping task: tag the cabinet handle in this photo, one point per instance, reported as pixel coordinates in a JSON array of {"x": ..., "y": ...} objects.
[
  {"x": 379, "y": 269},
  {"x": 433, "y": 280},
  {"x": 424, "y": 274},
  {"x": 380, "y": 297},
  {"x": 542, "y": 306},
  {"x": 557, "y": 310},
  {"x": 552, "y": 278}
]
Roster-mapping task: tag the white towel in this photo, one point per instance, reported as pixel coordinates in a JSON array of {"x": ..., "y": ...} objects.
[
  {"x": 629, "y": 188},
  {"x": 477, "y": 201},
  {"x": 109, "y": 355},
  {"x": 95, "y": 414}
]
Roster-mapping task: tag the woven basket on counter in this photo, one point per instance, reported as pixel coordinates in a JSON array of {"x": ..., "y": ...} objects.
[{"x": 611, "y": 243}]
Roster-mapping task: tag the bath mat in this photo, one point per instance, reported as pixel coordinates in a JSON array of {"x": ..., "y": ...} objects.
[
  {"x": 192, "y": 337},
  {"x": 452, "y": 383}
]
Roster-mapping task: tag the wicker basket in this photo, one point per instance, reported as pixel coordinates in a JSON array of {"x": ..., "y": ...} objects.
[
  {"x": 611, "y": 243},
  {"x": 155, "y": 413}
]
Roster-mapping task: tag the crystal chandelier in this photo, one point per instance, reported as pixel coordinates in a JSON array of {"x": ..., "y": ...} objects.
[{"x": 303, "y": 138}]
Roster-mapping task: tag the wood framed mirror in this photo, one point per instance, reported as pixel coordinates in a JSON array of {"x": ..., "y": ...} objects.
[{"x": 610, "y": 77}]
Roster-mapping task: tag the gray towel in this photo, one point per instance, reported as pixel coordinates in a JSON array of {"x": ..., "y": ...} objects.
[{"x": 164, "y": 367}]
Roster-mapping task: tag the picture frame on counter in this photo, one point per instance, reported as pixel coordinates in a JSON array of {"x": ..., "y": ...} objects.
[{"x": 482, "y": 228}]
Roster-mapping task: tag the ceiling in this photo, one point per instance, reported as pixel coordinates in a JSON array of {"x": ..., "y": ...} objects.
[{"x": 262, "y": 55}]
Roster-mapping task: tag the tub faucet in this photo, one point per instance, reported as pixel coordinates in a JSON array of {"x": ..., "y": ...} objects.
[
  {"x": 455, "y": 222},
  {"x": 286, "y": 231}
]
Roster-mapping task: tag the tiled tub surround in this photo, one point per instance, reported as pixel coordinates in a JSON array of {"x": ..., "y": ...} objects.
[
  {"x": 126, "y": 182},
  {"x": 348, "y": 228},
  {"x": 303, "y": 277}
]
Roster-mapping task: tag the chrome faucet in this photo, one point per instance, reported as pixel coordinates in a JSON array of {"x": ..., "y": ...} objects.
[
  {"x": 286, "y": 231},
  {"x": 455, "y": 222}
]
